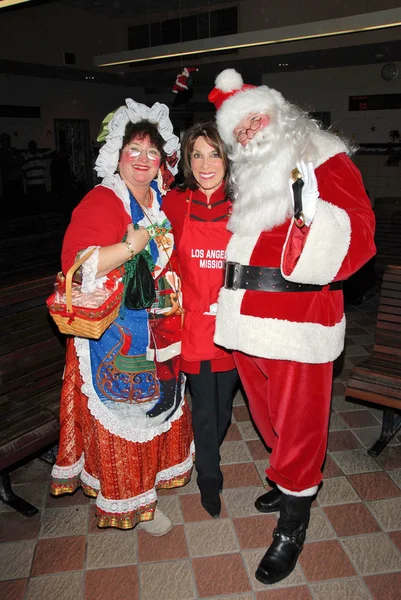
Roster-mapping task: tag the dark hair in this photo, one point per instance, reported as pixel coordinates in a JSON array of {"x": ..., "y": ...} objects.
[
  {"x": 141, "y": 130},
  {"x": 210, "y": 133}
]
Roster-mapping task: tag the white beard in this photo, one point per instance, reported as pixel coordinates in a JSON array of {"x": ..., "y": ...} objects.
[{"x": 262, "y": 195}]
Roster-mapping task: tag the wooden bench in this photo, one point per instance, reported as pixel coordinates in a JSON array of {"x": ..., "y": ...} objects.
[
  {"x": 32, "y": 355},
  {"x": 30, "y": 246},
  {"x": 378, "y": 379},
  {"x": 388, "y": 232}
]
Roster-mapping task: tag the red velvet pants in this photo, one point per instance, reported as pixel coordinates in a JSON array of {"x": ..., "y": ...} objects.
[{"x": 290, "y": 404}]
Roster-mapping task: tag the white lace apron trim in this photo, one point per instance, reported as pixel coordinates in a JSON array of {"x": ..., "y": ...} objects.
[{"x": 105, "y": 416}]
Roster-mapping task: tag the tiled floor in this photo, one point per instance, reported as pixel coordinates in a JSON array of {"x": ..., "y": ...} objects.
[{"x": 353, "y": 549}]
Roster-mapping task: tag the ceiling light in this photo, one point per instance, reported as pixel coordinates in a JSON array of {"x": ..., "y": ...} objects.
[
  {"x": 305, "y": 31},
  {"x": 5, "y": 3}
]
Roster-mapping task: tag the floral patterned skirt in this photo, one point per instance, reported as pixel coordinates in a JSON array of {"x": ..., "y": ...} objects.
[{"x": 122, "y": 474}]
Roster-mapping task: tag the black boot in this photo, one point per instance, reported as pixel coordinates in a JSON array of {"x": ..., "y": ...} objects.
[
  {"x": 269, "y": 502},
  {"x": 288, "y": 539},
  {"x": 211, "y": 503},
  {"x": 166, "y": 399},
  {"x": 178, "y": 398}
]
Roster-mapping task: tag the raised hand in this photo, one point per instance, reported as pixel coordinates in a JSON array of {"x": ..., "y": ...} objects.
[{"x": 310, "y": 191}]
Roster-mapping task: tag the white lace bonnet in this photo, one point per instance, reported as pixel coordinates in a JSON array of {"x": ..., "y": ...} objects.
[{"x": 115, "y": 123}]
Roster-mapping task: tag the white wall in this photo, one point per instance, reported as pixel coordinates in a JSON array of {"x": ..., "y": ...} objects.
[{"x": 328, "y": 90}]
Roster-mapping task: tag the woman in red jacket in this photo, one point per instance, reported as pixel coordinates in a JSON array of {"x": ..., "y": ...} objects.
[{"x": 198, "y": 212}]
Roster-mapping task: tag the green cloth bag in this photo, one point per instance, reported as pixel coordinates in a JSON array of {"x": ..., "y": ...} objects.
[{"x": 139, "y": 285}]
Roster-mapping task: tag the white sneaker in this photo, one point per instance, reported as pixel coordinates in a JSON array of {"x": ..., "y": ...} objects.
[{"x": 159, "y": 526}]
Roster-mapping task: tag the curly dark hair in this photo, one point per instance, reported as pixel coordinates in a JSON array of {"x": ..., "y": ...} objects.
[{"x": 141, "y": 130}]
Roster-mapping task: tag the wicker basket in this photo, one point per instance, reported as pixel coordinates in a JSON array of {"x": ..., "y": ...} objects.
[{"x": 81, "y": 321}]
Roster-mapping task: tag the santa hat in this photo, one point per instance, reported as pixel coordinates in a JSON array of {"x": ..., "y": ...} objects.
[{"x": 235, "y": 99}]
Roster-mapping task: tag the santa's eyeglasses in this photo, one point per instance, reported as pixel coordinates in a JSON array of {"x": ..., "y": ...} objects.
[{"x": 254, "y": 125}]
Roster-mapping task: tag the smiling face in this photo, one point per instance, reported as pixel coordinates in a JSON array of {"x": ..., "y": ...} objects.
[
  {"x": 207, "y": 166},
  {"x": 139, "y": 162},
  {"x": 249, "y": 127}
]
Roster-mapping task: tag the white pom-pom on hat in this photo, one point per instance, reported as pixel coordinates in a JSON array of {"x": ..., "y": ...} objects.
[{"x": 229, "y": 80}]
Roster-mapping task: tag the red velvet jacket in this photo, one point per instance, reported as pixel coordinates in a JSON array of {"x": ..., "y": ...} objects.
[
  {"x": 99, "y": 220},
  {"x": 306, "y": 327}
]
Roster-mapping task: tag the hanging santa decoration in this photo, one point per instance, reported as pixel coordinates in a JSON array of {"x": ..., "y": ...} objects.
[
  {"x": 182, "y": 86},
  {"x": 182, "y": 80}
]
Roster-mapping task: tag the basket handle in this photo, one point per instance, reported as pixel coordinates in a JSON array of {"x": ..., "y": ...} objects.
[{"x": 68, "y": 278}]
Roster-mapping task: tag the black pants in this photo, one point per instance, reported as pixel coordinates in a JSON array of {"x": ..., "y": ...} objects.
[{"x": 212, "y": 399}]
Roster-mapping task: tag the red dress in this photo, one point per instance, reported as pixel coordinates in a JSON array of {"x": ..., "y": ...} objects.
[{"x": 110, "y": 443}]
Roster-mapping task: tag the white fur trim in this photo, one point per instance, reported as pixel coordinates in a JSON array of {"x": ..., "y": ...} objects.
[
  {"x": 303, "y": 494},
  {"x": 163, "y": 354},
  {"x": 325, "y": 248},
  {"x": 327, "y": 144},
  {"x": 229, "y": 80},
  {"x": 235, "y": 108},
  {"x": 240, "y": 248},
  {"x": 274, "y": 338}
]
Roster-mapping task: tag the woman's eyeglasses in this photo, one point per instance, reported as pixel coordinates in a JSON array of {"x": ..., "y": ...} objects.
[
  {"x": 151, "y": 153},
  {"x": 254, "y": 124}
]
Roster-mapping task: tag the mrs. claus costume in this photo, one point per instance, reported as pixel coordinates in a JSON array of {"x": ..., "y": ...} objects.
[
  {"x": 125, "y": 425},
  {"x": 285, "y": 333}
]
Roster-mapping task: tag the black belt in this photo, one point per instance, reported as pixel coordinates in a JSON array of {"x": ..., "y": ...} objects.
[{"x": 266, "y": 279}]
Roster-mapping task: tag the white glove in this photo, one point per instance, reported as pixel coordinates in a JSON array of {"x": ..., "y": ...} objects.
[{"x": 310, "y": 191}]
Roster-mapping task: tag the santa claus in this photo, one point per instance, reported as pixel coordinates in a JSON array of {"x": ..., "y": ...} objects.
[{"x": 281, "y": 309}]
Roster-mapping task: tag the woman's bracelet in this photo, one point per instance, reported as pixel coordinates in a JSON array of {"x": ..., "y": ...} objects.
[{"x": 130, "y": 249}]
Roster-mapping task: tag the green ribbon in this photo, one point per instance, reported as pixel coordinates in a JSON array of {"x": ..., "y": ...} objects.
[{"x": 104, "y": 129}]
